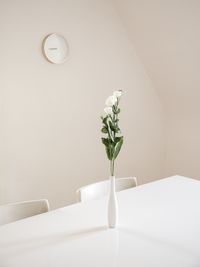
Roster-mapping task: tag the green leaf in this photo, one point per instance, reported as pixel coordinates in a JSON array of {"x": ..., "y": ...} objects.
[
  {"x": 114, "y": 109},
  {"x": 109, "y": 146},
  {"x": 110, "y": 131},
  {"x": 105, "y": 141},
  {"x": 112, "y": 126},
  {"x": 104, "y": 120},
  {"x": 117, "y": 147},
  {"x": 109, "y": 151},
  {"x": 118, "y": 111},
  {"x": 117, "y": 139},
  {"x": 104, "y": 130}
]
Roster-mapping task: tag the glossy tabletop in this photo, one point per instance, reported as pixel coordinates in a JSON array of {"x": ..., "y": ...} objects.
[{"x": 159, "y": 226}]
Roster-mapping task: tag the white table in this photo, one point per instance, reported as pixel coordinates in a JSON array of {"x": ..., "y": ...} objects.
[{"x": 159, "y": 226}]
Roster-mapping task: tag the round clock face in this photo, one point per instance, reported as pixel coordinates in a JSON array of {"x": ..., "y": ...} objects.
[{"x": 55, "y": 48}]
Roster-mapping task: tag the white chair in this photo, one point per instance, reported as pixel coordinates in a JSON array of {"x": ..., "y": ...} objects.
[
  {"x": 20, "y": 210},
  {"x": 100, "y": 189}
]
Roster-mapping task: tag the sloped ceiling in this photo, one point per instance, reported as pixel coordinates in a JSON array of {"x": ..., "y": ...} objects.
[{"x": 166, "y": 35}]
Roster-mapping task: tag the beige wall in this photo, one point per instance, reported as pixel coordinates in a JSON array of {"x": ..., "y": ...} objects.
[
  {"x": 166, "y": 37},
  {"x": 183, "y": 146},
  {"x": 50, "y": 114}
]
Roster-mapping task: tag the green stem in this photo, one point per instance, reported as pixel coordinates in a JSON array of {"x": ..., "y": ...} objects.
[{"x": 112, "y": 167}]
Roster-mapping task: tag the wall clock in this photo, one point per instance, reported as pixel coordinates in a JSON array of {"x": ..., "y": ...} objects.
[{"x": 55, "y": 48}]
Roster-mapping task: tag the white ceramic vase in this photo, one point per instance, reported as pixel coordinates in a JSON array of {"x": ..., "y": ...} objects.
[{"x": 112, "y": 205}]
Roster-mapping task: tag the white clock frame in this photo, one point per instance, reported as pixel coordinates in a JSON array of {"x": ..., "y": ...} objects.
[{"x": 55, "y": 48}]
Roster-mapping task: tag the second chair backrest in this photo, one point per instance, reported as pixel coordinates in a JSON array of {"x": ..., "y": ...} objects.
[
  {"x": 100, "y": 189},
  {"x": 20, "y": 210}
]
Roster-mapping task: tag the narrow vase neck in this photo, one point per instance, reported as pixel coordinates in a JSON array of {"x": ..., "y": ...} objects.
[{"x": 112, "y": 183}]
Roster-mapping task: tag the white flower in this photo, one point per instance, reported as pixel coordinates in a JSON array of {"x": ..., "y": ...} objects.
[
  {"x": 117, "y": 93},
  {"x": 111, "y": 100},
  {"x": 108, "y": 110}
]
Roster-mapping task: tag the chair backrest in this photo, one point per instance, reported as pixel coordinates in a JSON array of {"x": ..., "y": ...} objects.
[
  {"x": 20, "y": 210},
  {"x": 100, "y": 189}
]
